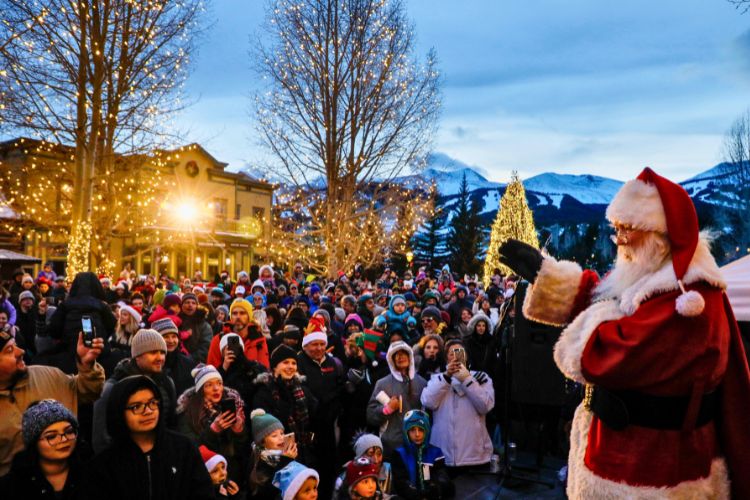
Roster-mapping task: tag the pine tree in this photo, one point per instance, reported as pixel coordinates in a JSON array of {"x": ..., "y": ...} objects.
[
  {"x": 429, "y": 244},
  {"x": 514, "y": 220},
  {"x": 465, "y": 234}
]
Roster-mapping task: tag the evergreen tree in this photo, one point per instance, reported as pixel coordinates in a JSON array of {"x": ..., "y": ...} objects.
[
  {"x": 465, "y": 234},
  {"x": 514, "y": 220},
  {"x": 429, "y": 244}
]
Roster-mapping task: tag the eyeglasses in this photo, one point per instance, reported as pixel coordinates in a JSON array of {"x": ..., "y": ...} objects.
[
  {"x": 70, "y": 434},
  {"x": 140, "y": 408}
]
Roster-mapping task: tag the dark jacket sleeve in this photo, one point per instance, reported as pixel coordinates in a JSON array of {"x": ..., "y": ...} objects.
[
  {"x": 401, "y": 481},
  {"x": 201, "y": 487}
]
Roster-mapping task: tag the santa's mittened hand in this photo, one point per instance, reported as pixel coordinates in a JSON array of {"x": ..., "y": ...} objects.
[{"x": 522, "y": 258}]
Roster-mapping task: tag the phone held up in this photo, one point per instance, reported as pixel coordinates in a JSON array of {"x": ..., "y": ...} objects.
[
  {"x": 88, "y": 330},
  {"x": 228, "y": 405},
  {"x": 459, "y": 355}
]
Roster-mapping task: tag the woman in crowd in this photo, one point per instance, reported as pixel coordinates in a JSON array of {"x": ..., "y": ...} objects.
[
  {"x": 283, "y": 393},
  {"x": 48, "y": 467},
  {"x": 429, "y": 355},
  {"x": 128, "y": 323},
  {"x": 145, "y": 460},
  {"x": 214, "y": 415}
]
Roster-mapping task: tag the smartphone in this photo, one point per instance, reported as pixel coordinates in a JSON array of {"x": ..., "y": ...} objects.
[
  {"x": 233, "y": 342},
  {"x": 459, "y": 355},
  {"x": 228, "y": 404},
  {"x": 288, "y": 440},
  {"x": 88, "y": 330}
]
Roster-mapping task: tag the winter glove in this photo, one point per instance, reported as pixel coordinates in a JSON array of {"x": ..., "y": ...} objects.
[
  {"x": 379, "y": 322},
  {"x": 355, "y": 376},
  {"x": 521, "y": 258},
  {"x": 411, "y": 322}
]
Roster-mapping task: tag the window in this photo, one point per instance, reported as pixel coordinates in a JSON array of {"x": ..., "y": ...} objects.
[
  {"x": 220, "y": 208},
  {"x": 237, "y": 211}
]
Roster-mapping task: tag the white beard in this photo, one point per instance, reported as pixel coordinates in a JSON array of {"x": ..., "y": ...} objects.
[{"x": 632, "y": 264}]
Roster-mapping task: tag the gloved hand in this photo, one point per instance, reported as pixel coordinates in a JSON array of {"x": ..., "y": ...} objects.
[
  {"x": 522, "y": 258},
  {"x": 355, "y": 376}
]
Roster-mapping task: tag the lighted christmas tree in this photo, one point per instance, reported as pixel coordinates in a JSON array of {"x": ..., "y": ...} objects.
[{"x": 514, "y": 220}]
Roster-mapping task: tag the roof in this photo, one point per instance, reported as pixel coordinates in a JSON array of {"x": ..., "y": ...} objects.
[{"x": 15, "y": 256}]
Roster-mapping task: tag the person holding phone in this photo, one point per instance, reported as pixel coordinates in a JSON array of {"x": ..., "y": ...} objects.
[
  {"x": 236, "y": 370},
  {"x": 214, "y": 415},
  {"x": 460, "y": 399}
]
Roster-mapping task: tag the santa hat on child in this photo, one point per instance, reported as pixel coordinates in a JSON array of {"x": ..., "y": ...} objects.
[
  {"x": 652, "y": 203},
  {"x": 211, "y": 458}
]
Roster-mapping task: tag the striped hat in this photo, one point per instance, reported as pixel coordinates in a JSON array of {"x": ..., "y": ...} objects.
[
  {"x": 165, "y": 326},
  {"x": 369, "y": 343}
]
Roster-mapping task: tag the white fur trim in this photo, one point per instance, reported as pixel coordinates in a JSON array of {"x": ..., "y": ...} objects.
[
  {"x": 702, "y": 268},
  {"x": 400, "y": 345},
  {"x": 584, "y": 484},
  {"x": 296, "y": 484},
  {"x": 214, "y": 461},
  {"x": 690, "y": 303},
  {"x": 574, "y": 338},
  {"x": 550, "y": 299},
  {"x": 313, "y": 336},
  {"x": 638, "y": 203},
  {"x": 225, "y": 340}
]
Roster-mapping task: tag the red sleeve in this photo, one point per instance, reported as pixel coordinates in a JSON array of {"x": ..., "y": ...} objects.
[
  {"x": 214, "y": 356},
  {"x": 589, "y": 279},
  {"x": 659, "y": 351}
]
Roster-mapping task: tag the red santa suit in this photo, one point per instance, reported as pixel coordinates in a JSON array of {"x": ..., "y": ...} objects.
[{"x": 669, "y": 336}]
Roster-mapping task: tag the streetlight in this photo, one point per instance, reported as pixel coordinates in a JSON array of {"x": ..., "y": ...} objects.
[{"x": 228, "y": 261}]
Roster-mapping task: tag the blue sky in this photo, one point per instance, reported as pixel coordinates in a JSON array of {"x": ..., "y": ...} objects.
[{"x": 580, "y": 86}]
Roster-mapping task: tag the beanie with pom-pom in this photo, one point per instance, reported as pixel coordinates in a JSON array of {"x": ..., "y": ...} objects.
[{"x": 263, "y": 424}]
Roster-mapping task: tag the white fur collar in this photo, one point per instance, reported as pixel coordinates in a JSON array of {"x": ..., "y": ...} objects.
[{"x": 702, "y": 268}]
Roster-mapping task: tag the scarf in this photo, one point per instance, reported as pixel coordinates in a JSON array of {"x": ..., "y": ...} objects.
[{"x": 298, "y": 418}]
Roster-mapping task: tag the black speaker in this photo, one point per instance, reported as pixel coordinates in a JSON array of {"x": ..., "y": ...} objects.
[{"x": 535, "y": 379}]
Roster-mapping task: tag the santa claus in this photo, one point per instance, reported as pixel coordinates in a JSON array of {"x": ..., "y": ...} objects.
[{"x": 667, "y": 406}]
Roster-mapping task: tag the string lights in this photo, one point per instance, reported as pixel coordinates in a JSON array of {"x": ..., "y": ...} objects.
[{"x": 514, "y": 220}]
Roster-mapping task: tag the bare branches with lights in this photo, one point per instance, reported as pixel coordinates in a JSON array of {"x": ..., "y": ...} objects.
[
  {"x": 347, "y": 110},
  {"x": 103, "y": 77}
]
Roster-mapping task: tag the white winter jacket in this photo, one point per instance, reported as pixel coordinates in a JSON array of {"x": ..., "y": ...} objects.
[{"x": 458, "y": 413}]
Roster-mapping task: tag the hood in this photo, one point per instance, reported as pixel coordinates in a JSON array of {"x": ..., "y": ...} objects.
[
  {"x": 118, "y": 399},
  {"x": 125, "y": 368},
  {"x": 480, "y": 316},
  {"x": 395, "y": 347},
  {"x": 258, "y": 283},
  {"x": 417, "y": 418},
  {"x": 86, "y": 284}
]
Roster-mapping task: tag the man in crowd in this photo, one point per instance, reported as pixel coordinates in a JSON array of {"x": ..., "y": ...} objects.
[
  {"x": 194, "y": 321},
  {"x": 148, "y": 353},
  {"x": 20, "y": 386},
  {"x": 255, "y": 345}
]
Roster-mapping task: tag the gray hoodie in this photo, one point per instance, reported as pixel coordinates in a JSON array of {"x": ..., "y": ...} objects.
[{"x": 409, "y": 388}]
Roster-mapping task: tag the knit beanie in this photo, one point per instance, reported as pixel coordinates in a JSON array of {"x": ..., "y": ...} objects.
[
  {"x": 359, "y": 469},
  {"x": 354, "y": 318},
  {"x": 291, "y": 478},
  {"x": 146, "y": 341},
  {"x": 165, "y": 326},
  {"x": 25, "y": 295},
  {"x": 203, "y": 373},
  {"x": 242, "y": 304},
  {"x": 369, "y": 343},
  {"x": 189, "y": 296},
  {"x": 365, "y": 442},
  {"x": 170, "y": 300},
  {"x": 41, "y": 415},
  {"x": 211, "y": 458},
  {"x": 396, "y": 299},
  {"x": 291, "y": 332},
  {"x": 263, "y": 424},
  {"x": 225, "y": 340},
  {"x": 223, "y": 309},
  {"x": 281, "y": 353},
  {"x": 432, "y": 312}
]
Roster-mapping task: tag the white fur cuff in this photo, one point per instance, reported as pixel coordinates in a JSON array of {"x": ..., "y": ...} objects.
[
  {"x": 550, "y": 299},
  {"x": 573, "y": 340}
]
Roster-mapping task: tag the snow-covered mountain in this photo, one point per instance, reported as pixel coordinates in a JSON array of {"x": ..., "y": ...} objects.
[{"x": 589, "y": 189}]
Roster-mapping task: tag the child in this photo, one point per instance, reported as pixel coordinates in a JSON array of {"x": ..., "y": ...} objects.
[
  {"x": 419, "y": 467},
  {"x": 370, "y": 447},
  {"x": 270, "y": 454},
  {"x": 362, "y": 480},
  {"x": 297, "y": 482},
  {"x": 217, "y": 469},
  {"x": 396, "y": 317}
]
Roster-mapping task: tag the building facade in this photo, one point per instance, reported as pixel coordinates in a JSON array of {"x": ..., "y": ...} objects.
[{"x": 208, "y": 219}]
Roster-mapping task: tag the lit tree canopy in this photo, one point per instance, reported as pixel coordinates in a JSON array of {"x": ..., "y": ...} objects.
[
  {"x": 514, "y": 220},
  {"x": 102, "y": 76},
  {"x": 347, "y": 109}
]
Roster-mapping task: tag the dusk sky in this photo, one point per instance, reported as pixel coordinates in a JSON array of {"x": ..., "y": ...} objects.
[{"x": 580, "y": 86}]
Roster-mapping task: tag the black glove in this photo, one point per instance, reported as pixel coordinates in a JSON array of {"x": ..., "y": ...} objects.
[{"x": 522, "y": 258}]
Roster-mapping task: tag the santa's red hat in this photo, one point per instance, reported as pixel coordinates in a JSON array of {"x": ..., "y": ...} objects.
[
  {"x": 652, "y": 203},
  {"x": 211, "y": 458}
]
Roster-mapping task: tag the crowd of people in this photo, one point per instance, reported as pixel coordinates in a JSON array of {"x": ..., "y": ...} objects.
[{"x": 268, "y": 384}]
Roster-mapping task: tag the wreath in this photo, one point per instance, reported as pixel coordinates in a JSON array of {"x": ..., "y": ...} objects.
[{"x": 191, "y": 168}]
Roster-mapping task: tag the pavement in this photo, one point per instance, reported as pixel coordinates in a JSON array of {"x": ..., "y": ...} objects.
[{"x": 487, "y": 486}]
